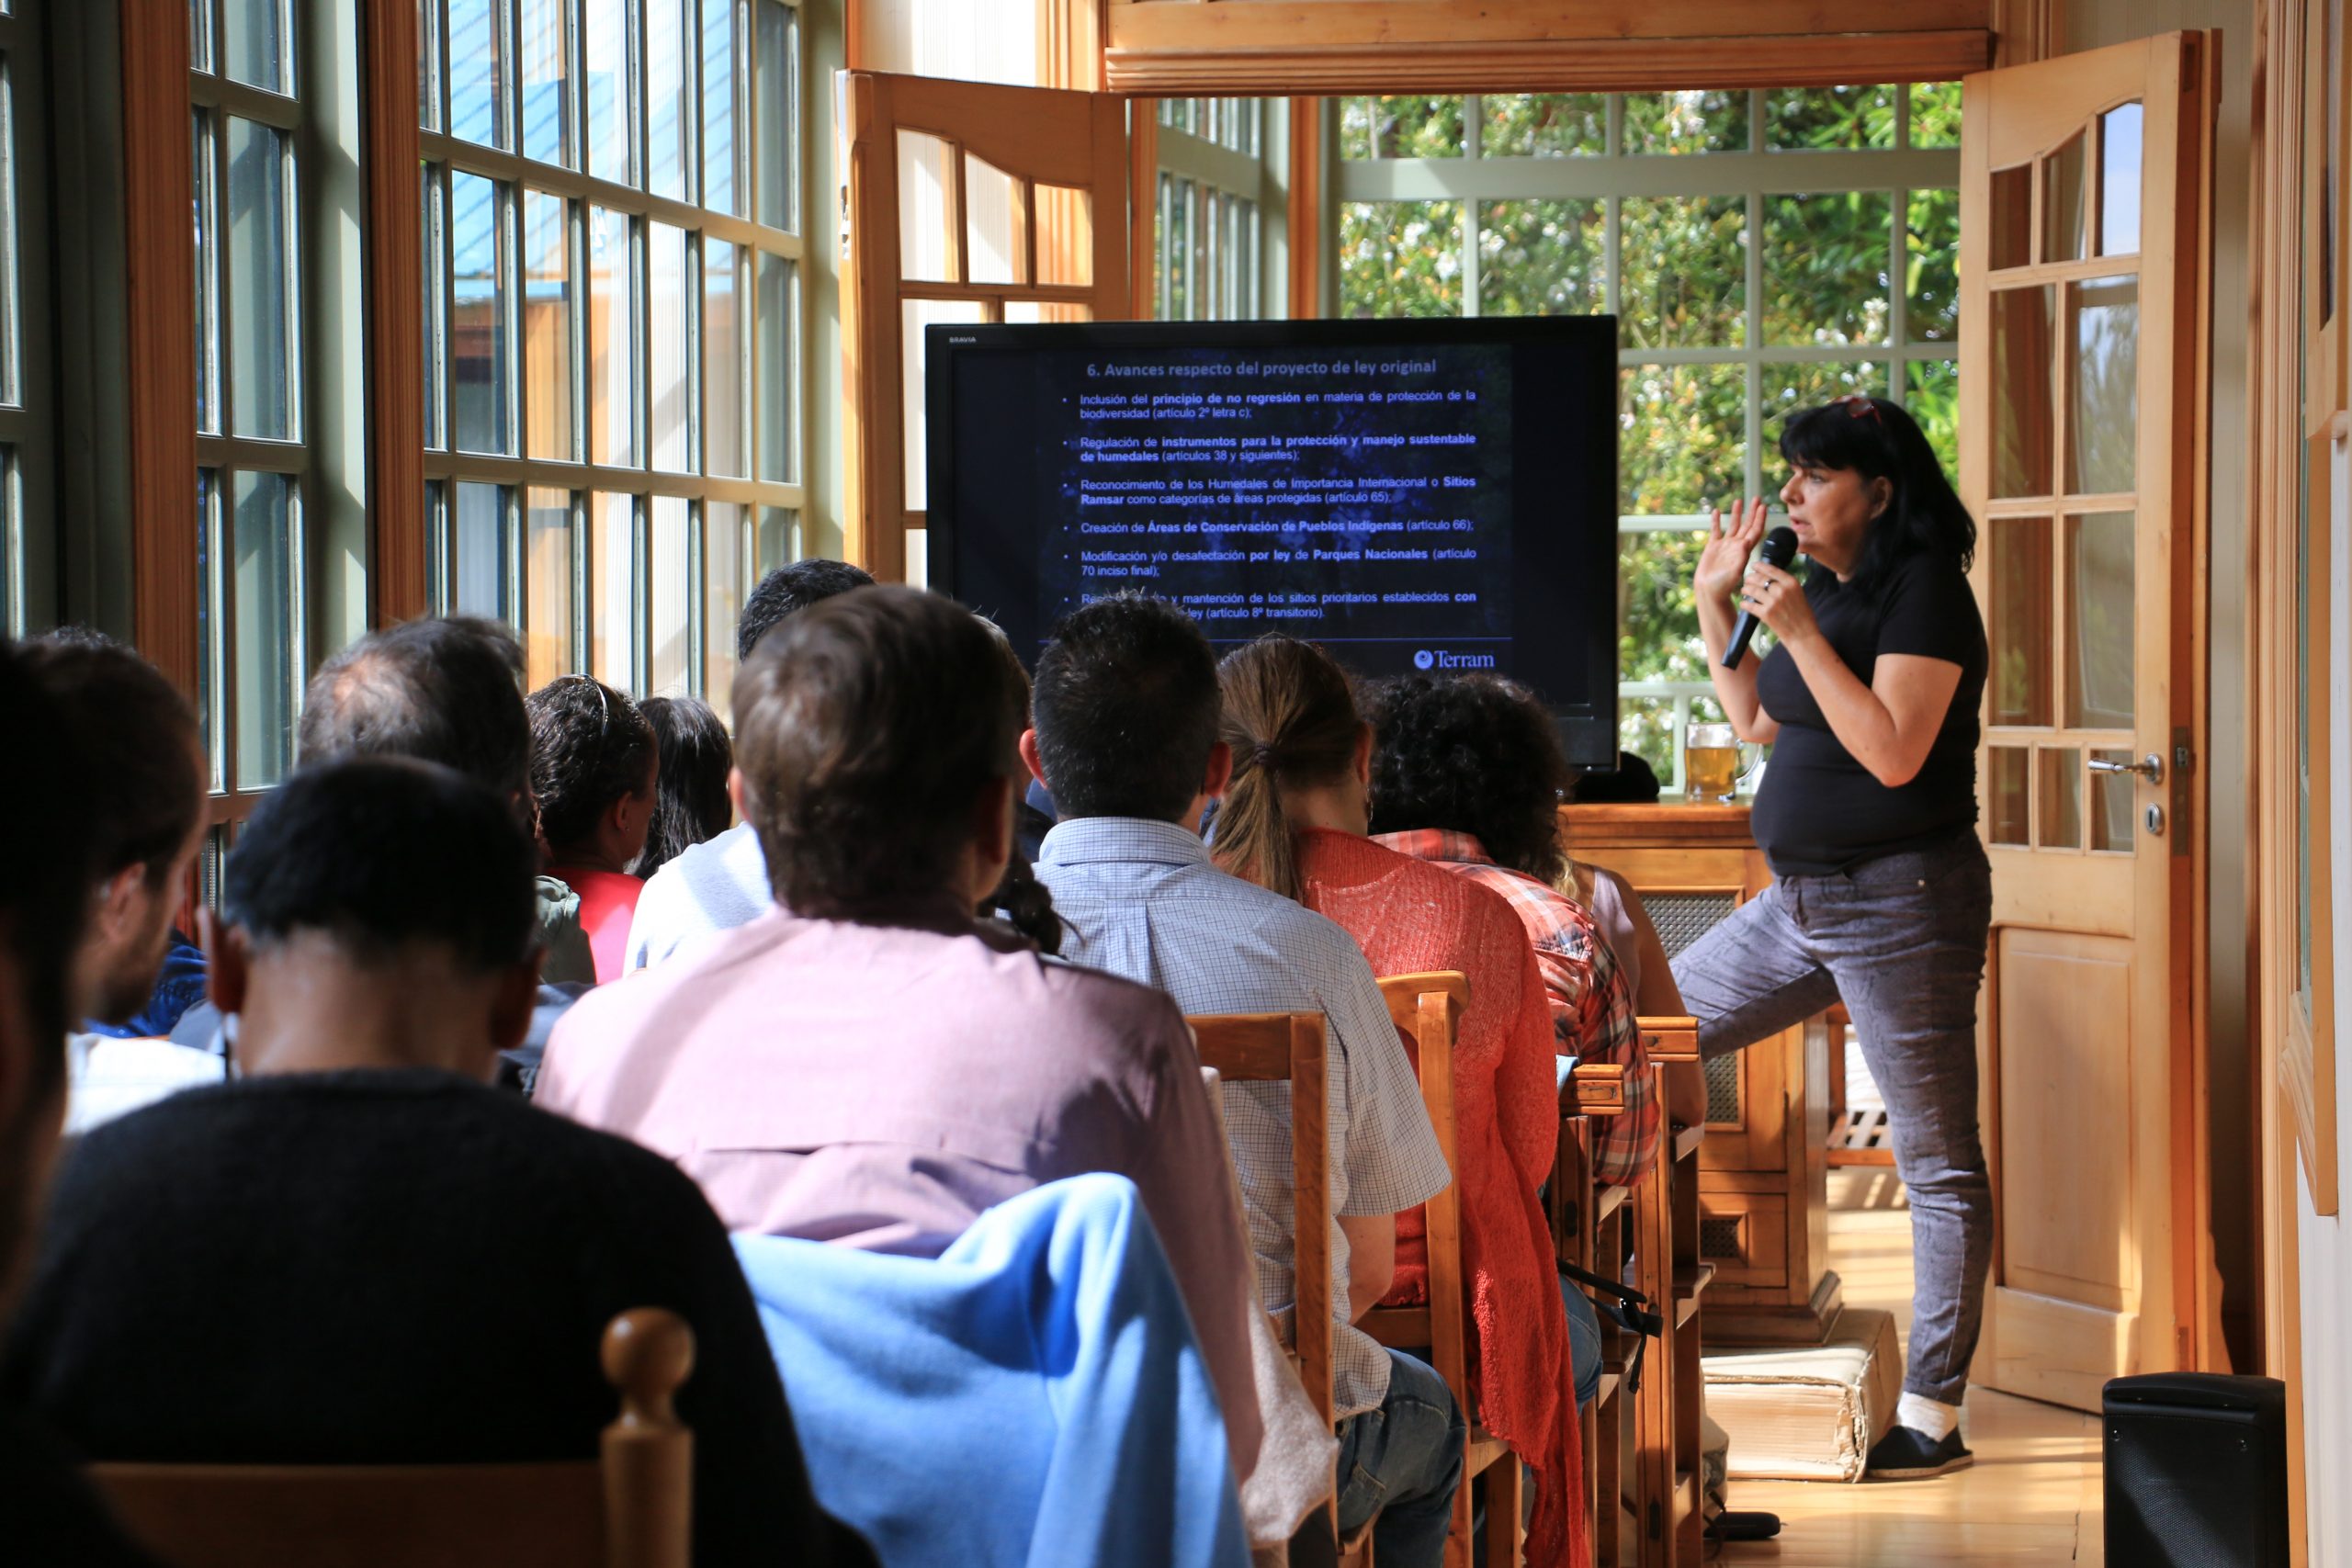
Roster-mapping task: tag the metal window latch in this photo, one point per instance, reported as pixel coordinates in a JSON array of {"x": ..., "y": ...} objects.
[{"x": 2151, "y": 768}]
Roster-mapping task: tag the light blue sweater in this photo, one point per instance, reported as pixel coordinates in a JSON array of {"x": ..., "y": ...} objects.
[{"x": 714, "y": 885}]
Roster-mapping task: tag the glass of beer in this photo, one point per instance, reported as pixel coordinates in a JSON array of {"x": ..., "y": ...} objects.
[{"x": 1710, "y": 764}]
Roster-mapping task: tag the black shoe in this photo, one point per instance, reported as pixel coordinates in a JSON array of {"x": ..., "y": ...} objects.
[
  {"x": 1905, "y": 1454},
  {"x": 1752, "y": 1526}
]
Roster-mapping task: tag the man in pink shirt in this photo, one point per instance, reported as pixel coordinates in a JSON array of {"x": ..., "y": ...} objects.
[{"x": 867, "y": 1064}]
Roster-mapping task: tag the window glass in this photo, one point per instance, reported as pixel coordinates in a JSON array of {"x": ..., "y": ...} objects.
[
  {"x": 261, "y": 287},
  {"x": 668, "y": 119},
  {"x": 547, "y": 326},
  {"x": 778, "y": 302},
  {"x": 264, "y": 520},
  {"x": 478, "y": 551},
  {"x": 612, "y": 340},
  {"x": 778, "y": 40},
  {"x": 480, "y": 338},
  {"x": 670, "y": 562},
  {"x": 605, "y": 46},
  {"x": 255, "y": 35},
  {"x": 612, "y": 579},
  {"x": 667, "y": 397},
  {"x": 723, "y": 361},
  {"x": 477, "y": 69},
  {"x": 547, "y": 86},
  {"x": 721, "y": 147}
]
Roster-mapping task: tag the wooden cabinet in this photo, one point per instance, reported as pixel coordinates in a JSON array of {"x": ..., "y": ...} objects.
[{"x": 1763, "y": 1167}]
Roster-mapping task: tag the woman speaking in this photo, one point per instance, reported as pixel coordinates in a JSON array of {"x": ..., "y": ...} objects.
[{"x": 1882, "y": 896}]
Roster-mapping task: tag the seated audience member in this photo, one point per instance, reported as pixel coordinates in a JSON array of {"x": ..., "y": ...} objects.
[
  {"x": 144, "y": 774},
  {"x": 1625, "y": 924},
  {"x": 690, "y": 802},
  {"x": 359, "y": 1253},
  {"x": 723, "y": 882},
  {"x": 869, "y": 1064},
  {"x": 1126, "y": 714},
  {"x": 1294, "y": 819},
  {"x": 447, "y": 689},
  {"x": 1468, "y": 772},
  {"x": 49, "y": 1516},
  {"x": 593, "y": 768}
]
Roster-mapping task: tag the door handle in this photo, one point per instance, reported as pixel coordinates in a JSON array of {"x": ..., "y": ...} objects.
[{"x": 2152, "y": 768}]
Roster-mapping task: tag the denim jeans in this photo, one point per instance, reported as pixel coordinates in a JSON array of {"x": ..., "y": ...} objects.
[
  {"x": 1405, "y": 1460},
  {"x": 1584, "y": 1341},
  {"x": 1900, "y": 941}
]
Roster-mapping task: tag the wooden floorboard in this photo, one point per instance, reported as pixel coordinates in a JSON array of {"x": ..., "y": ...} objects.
[{"x": 2032, "y": 1496}]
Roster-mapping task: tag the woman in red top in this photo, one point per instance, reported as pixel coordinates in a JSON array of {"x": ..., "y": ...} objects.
[
  {"x": 594, "y": 767},
  {"x": 1294, "y": 819}
]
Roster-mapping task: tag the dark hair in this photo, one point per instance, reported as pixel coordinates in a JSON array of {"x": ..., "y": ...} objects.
[
  {"x": 382, "y": 851},
  {"x": 864, "y": 729},
  {"x": 1874, "y": 438},
  {"x": 1127, "y": 708},
  {"x": 139, "y": 748},
  {"x": 447, "y": 689},
  {"x": 1476, "y": 755},
  {"x": 45, "y": 878},
  {"x": 590, "y": 747},
  {"x": 690, "y": 802},
  {"x": 1291, "y": 718},
  {"x": 1026, "y": 904},
  {"x": 787, "y": 591}
]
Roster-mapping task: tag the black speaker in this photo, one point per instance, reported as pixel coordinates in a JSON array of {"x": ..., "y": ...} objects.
[{"x": 2196, "y": 1472}]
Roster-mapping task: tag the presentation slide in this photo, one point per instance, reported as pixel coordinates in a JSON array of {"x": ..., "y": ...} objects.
[{"x": 1347, "y": 497}]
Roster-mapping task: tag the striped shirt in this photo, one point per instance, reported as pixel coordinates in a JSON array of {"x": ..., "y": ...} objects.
[
  {"x": 1141, "y": 899},
  {"x": 1592, "y": 1006}
]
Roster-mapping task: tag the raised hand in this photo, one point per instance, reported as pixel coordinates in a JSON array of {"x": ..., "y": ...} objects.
[{"x": 1729, "y": 544}]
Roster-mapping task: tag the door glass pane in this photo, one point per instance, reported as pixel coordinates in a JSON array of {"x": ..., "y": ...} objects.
[
  {"x": 1683, "y": 279},
  {"x": 264, "y": 545},
  {"x": 612, "y": 341},
  {"x": 914, "y": 411},
  {"x": 2021, "y": 629},
  {"x": 547, "y": 98},
  {"x": 1544, "y": 125},
  {"x": 993, "y": 222},
  {"x": 478, "y": 551},
  {"x": 2011, "y": 215},
  {"x": 481, "y": 347},
  {"x": 722, "y": 596},
  {"x": 604, "y": 43},
  {"x": 256, "y": 47},
  {"x": 776, "y": 37},
  {"x": 1825, "y": 268},
  {"x": 1697, "y": 121},
  {"x": 2111, "y": 805},
  {"x": 261, "y": 361},
  {"x": 2100, "y": 620},
  {"x": 779, "y": 307},
  {"x": 2103, "y": 418},
  {"x": 2062, "y": 796},
  {"x": 926, "y": 226},
  {"x": 667, "y": 392},
  {"x": 722, "y": 360},
  {"x": 669, "y": 590},
  {"x": 1065, "y": 219},
  {"x": 721, "y": 149},
  {"x": 2007, "y": 807},
  {"x": 2023, "y": 346},
  {"x": 1542, "y": 258},
  {"x": 612, "y": 584},
  {"x": 669, "y": 115},
  {"x": 476, "y": 73},
  {"x": 2065, "y": 210},
  {"x": 547, "y": 615},
  {"x": 546, "y": 327},
  {"x": 2119, "y": 180}
]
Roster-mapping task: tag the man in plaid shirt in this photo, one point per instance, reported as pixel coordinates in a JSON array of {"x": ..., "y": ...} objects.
[{"x": 1466, "y": 773}]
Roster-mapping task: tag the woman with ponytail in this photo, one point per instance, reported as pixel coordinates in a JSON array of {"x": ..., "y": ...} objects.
[{"x": 1294, "y": 819}]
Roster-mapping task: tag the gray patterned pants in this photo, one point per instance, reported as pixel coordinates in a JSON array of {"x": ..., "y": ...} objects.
[{"x": 1900, "y": 941}]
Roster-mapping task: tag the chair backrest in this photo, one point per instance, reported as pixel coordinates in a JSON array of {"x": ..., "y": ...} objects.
[
  {"x": 632, "y": 1508},
  {"x": 1428, "y": 1007},
  {"x": 1290, "y": 1047}
]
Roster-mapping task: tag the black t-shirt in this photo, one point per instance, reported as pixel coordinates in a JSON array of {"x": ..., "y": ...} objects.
[
  {"x": 1820, "y": 810},
  {"x": 386, "y": 1268}
]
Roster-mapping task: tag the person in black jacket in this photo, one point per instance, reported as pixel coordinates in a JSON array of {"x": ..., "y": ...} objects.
[{"x": 360, "y": 1253}]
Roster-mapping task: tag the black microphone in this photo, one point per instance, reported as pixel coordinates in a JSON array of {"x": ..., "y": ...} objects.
[{"x": 1780, "y": 549}]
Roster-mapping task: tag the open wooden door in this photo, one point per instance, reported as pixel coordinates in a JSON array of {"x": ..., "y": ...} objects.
[
  {"x": 2084, "y": 380},
  {"x": 966, "y": 202}
]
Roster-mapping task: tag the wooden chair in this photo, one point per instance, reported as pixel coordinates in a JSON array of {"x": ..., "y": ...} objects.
[
  {"x": 1291, "y": 1047},
  {"x": 1587, "y": 1225},
  {"x": 1428, "y": 1008},
  {"x": 632, "y": 1508}
]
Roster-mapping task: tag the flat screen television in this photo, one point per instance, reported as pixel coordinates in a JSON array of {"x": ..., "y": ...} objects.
[{"x": 1431, "y": 495}]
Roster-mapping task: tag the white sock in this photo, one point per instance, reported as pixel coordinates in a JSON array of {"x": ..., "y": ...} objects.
[{"x": 1931, "y": 1418}]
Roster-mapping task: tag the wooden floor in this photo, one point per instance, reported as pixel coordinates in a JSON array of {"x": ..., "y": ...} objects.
[{"x": 2033, "y": 1494}]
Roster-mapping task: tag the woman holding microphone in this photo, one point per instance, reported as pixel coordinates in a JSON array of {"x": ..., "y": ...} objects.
[{"x": 1882, "y": 895}]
